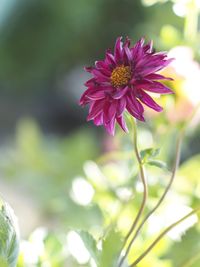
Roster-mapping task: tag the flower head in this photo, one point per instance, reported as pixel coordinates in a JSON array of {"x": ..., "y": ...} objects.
[{"x": 121, "y": 81}]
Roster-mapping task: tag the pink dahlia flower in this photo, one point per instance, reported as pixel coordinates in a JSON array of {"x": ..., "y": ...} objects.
[{"x": 121, "y": 81}]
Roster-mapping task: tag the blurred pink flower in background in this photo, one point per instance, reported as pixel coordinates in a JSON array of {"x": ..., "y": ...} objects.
[{"x": 186, "y": 74}]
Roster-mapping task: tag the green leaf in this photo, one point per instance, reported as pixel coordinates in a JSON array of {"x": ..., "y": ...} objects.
[
  {"x": 3, "y": 263},
  {"x": 53, "y": 244},
  {"x": 189, "y": 168},
  {"x": 149, "y": 153},
  {"x": 110, "y": 249},
  {"x": 187, "y": 251},
  {"x": 90, "y": 244},
  {"x": 9, "y": 237},
  {"x": 157, "y": 163}
]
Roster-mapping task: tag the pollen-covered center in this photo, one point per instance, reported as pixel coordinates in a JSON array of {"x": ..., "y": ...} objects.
[{"x": 120, "y": 75}]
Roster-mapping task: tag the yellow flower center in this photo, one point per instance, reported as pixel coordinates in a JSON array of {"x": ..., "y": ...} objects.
[{"x": 120, "y": 76}]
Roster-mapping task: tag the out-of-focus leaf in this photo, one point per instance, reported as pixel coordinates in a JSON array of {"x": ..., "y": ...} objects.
[
  {"x": 149, "y": 153},
  {"x": 3, "y": 263},
  {"x": 110, "y": 249},
  {"x": 157, "y": 163},
  {"x": 90, "y": 244},
  {"x": 53, "y": 163},
  {"x": 9, "y": 237},
  {"x": 185, "y": 253},
  {"x": 189, "y": 168},
  {"x": 170, "y": 36},
  {"x": 148, "y": 157},
  {"x": 54, "y": 249}
]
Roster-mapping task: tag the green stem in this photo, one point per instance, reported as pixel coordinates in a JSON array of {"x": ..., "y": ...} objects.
[
  {"x": 176, "y": 164},
  {"x": 175, "y": 167},
  {"x": 162, "y": 235},
  {"x": 145, "y": 192}
]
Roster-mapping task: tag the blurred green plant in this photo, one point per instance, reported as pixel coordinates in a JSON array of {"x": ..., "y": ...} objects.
[
  {"x": 9, "y": 236},
  {"x": 39, "y": 39},
  {"x": 71, "y": 186},
  {"x": 46, "y": 168},
  {"x": 53, "y": 164},
  {"x": 190, "y": 243}
]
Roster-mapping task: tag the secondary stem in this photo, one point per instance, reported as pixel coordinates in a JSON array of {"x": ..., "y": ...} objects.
[
  {"x": 176, "y": 164},
  {"x": 145, "y": 192},
  {"x": 175, "y": 167},
  {"x": 161, "y": 236}
]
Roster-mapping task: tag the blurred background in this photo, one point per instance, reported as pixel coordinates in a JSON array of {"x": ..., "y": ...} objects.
[{"x": 60, "y": 173}]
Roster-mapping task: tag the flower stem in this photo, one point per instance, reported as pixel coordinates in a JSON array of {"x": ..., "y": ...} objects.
[
  {"x": 176, "y": 163},
  {"x": 145, "y": 192},
  {"x": 161, "y": 236}
]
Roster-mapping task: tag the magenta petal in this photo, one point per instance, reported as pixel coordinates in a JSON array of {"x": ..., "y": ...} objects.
[
  {"x": 97, "y": 95},
  {"x": 134, "y": 104},
  {"x": 120, "y": 93},
  {"x": 102, "y": 65},
  {"x": 99, "y": 74},
  {"x": 88, "y": 69},
  {"x": 110, "y": 60},
  {"x": 121, "y": 106},
  {"x": 118, "y": 50},
  {"x": 148, "y": 47},
  {"x": 147, "y": 100},
  {"x": 108, "y": 101},
  {"x": 128, "y": 54},
  {"x": 105, "y": 72},
  {"x": 154, "y": 87},
  {"x": 155, "y": 76},
  {"x": 109, "y": 111},
  {"x": 98, "y": 120},
  {"x": 95, "y": 109},
  {"x": 134, "y": 114},
  {"x": 122, "y": 123},
  {"x": 138, "y": 106},
  {"x": 134, "y": 109},
  {"x": 84, "y": 99},
  {"x": 146, "y": 62},
  {"x": 127, "y": 42},
  {"x": 137, "y": 50},
  {"x": 110, "y": 127},
  {"x": 90, "y": 82},
  {"x": 149, "y": 64}
]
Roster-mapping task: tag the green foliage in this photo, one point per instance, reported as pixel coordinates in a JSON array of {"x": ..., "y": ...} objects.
[
  {"x": 50, "y": 163},
  {"x": 189, "y": 168},
  {"x": 149, "y": 153},
  {"x": 50, "y": 35},
  {"x": 186, "y": 253},
  {"x": 3, "y": 262},
  {"x": 40, "y": 41},
  {"x": 36, "y": 159},
  {"x": 44, "y": 248},
  {"x": 157, "y": 163},
  {"x": 91, "y": 245},
  {"x": 111, "y": 246},
  {"x": 148, "y": 157},
  {"x": 53, "y": 244},
  {"x": 9, "y": 236}
]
